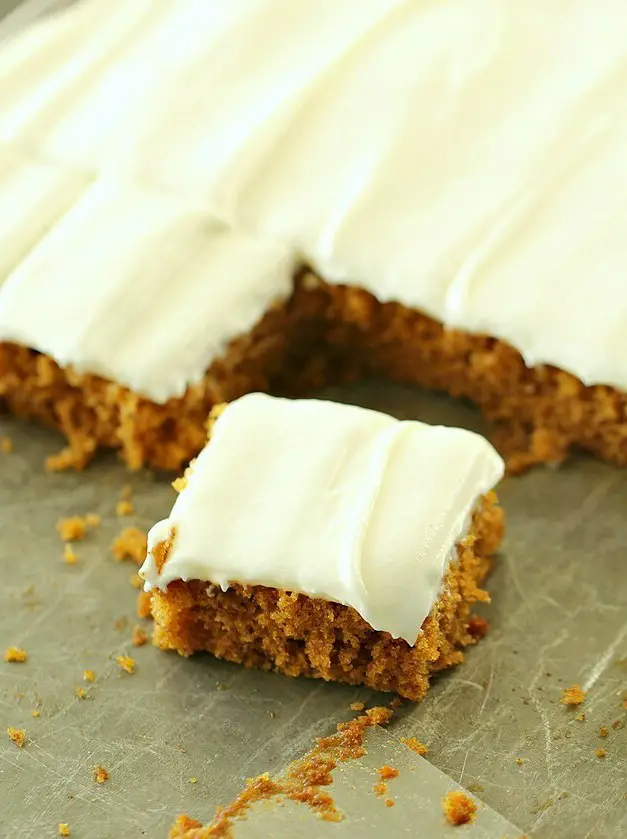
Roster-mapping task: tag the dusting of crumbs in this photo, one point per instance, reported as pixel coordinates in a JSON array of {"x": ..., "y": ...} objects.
[
  {"x": 415, "y": 745},
  {"x": 574, "y": 695},
  {"x": 15, "y": 655},
  {"x": 138, "y": 637},
  {"x": 458, "y": 808},
  {"x": 100, "y": 774},
  {"x": 127, "y": 663},
  {"x": 17, "y": 736},
  {"x": 130, "y": 544}
]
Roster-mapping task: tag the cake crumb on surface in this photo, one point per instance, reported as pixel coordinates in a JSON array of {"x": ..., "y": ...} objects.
[
  {"x": 519, "y": 761},
  {"x": 17, "y": 736},
  {"x": 6, "y": 445},
  {"x": 143, "y": 605},
  {"x": 124, "y": 507},
  {"x": 415, "y": 745},
  {"x": 100, "y": 774},
  {"x": 36, "y": 713},
  {"x": 64, "y": 829},
  {"x": 389, "y": 802},
  {"x": 89, "y": 675},
  {"x": 15, "y": 655},
  {"x": 69, "y": 555},
  {"x": 458, "y": 808},
  {"x": 80, "y": 693},
  {"x": 601, "y": 753},
  {"x": 357, "y": 706},
  {"x": 573, "y": 695},
  {"x": 603, "y": 731},
  {"x": 72, "y": 529},
  {"x": 127, "y": 663},
  {"x": 130, "y": 544},
  {"x": 380, "y": 788},
  {"x": 387, "y": 772},
  {"x": 581, "y": 717},
  {"x": 138, "y": 637},
  {"x": 302, "y": 781}
]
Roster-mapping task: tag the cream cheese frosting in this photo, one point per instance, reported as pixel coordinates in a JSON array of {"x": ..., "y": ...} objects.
[
  {"x": 462, "y": 157},
  {"x": 328, "y": 500}
]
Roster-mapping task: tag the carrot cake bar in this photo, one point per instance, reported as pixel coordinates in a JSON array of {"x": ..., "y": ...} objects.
[
  {"x": 198, "y": 200},
  {"x": 327, "y": 540}
]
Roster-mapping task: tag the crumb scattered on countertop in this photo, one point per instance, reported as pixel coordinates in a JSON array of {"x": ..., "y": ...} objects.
[
  {"x": 64, "y": 829},
  {"x": 386, "y": 772},
  {"x": 17, "y": 736},
  {"x": 80, "y": 693},
  {"x": 415, "y": 745},
  {"x": 100, "y": 774},
  {"x": 603, "y": 731},
  {"x": 519, "y": 761},
  {"x": 458, "y": 807},
  {"x": 143, "y": 605},
  {"x": 130, "y": 544},
  {"x": 581, "y": 717},
  {"x": 69, "y": 555},
  {"x": 138, "y": 637},
  {"x": 601, "y": 753},
  {"x": 15, "y": 655},
  {"x": 302, "y": 781},
  {"x": 72, "y": 529},
  {"x": 389, "y": 802},
  {"x": 36, "y": 713},
  {"x": 380, "y": 788},
  {"x": 127, "y": 663},
  {"x": 89, "y": 675},
  {"x": 357, "y": 706},
  {"x": 124, "y": 508},
  {"x": 6, "y": 445},
  {"x": 618, "y": 724},
  {"x": 573, "y": 695}
]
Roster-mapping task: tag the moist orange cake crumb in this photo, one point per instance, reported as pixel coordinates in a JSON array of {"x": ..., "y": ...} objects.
[
  {"x": 127, "y": 663},
  {"x": 100, "y": 774},
  {"x": 301, "y": 782},
  {"x": 581, "y": 717},
  {"x": 89, "y": 675},
  {"x": 6, "y": 445},
  {"x": 387, "y": 772},
  {"x": 80, "y": 693},
  {"x": 519, "y": 761},
  {"x": 603, "y": 732},
  {"x": 415, "y": 745},
  {"x": 15, "y": 655},
  {"x": 124, "y": 508},
  {"x": 17, "y": 736},
  {"x": 36, "y": 713},
  {"x": 478, "y": 627},
  {"x": 458, "y": 808},
  {"x": 72, "y": 529},
  {"x": 601, "y": 753},
  {"x": 389, "y": 802},
  {"x": 380, "y": 788},
  {"x": 69, "y": 555},
  {"x": 138, "y": 637},
  {"x": 63, "y": 829},
  {"x": 573, "y": 695},
  {"x": 357, "y": 706},
  {"x": 144, "y": 604},
  {"x": 130, "y": 544}
]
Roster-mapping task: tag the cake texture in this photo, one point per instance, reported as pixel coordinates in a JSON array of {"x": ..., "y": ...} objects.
[
  {"x": 330, "y": 541},
  {"x": 284, "y": 240}
]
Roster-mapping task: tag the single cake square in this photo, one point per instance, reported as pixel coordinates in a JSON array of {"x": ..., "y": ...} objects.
[{"x": 327, "y": 540}]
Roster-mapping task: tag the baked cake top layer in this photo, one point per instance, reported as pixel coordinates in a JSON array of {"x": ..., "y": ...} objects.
[
  {"x": 465, "y": 158},
  {"x": 328, "y": 500}
]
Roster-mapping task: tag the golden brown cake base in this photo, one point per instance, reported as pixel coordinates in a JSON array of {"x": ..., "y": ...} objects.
[
  {"x": 324, "y": 334},
  {"x": 299, "y": 636}
]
